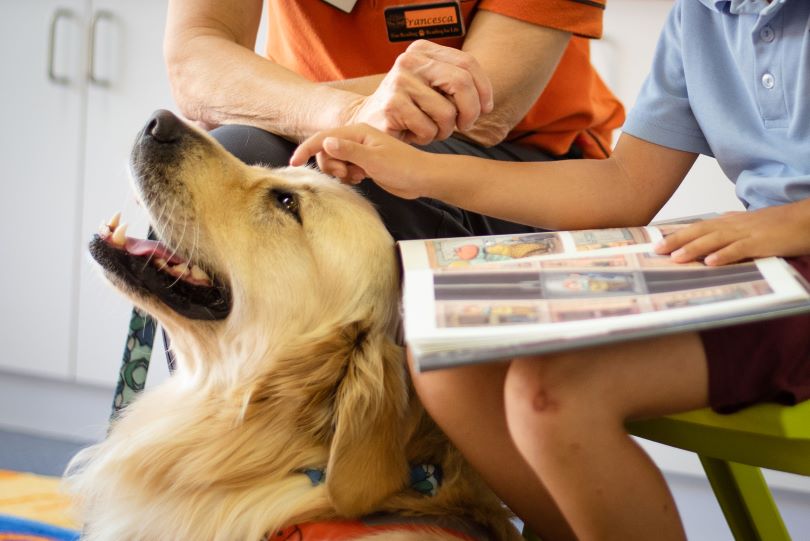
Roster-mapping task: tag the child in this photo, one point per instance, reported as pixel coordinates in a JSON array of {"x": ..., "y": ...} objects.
[{"x": 731, "y": 79}]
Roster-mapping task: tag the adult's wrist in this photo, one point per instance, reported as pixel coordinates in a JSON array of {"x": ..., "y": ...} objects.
[{"x": 326, "y": 108}]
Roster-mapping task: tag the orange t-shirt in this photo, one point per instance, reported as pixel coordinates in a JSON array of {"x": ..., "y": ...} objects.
[{"x": 322, "y": 43}]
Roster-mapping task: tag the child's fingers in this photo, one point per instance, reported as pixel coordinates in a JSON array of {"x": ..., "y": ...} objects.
[
  {"x": 347, "y": 172},
  {"x": 308, "y": 148},
  {"x": 699, "y": 247},
  {"x": 356, "y": 174},
  {"x": 331, "y": 166},
  {"x": 679, "y": 238},
  {"x": 347, "y": 151},
  {"x": 731, "y": 253}
]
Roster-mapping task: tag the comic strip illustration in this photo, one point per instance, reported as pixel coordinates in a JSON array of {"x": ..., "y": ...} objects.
[
  {"x": 599, "y": 239},
  {"x": 478, "y": 299},
  {"x": 466, "y": 252},
  {"x": 520, "y": 296}
]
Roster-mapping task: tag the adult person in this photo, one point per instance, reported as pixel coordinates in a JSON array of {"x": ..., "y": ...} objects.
[
  {"x": 730, "y": 79},
  {"x": 324, "y": 68}
]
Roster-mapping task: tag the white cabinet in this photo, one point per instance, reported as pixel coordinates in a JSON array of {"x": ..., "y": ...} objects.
[
  {"x": 79, "y": 79},
  {"x": 133, "y": 83},
  {"x": 42, "y": 105}
]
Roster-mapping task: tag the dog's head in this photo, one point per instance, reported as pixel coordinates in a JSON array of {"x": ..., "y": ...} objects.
[
  {"x": 288, "y": 249},
  {"x": 279, "y": 289}
]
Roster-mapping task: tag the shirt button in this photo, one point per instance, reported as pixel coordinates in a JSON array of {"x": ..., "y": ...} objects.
[
  {"x": 767, "y": 34},
  {"x": 768, "y": 81}
]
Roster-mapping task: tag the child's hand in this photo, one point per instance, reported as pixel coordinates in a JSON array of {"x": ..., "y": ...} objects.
[
  {"x": 773, "y": 231},
  {"x": 352, "y": 153}
]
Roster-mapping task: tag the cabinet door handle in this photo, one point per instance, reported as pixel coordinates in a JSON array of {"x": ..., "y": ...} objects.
[
  {"x": 91, "y": 59},
  {"x": 61, "y": 13}
]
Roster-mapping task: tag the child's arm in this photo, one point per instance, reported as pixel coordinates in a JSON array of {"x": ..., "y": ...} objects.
[
  {"x": 626, "y": 189},
  {"x": 772, "y": 231}
]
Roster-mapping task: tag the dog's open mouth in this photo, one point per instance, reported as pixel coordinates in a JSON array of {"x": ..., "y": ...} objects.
[{"x": 151, "y": 268}]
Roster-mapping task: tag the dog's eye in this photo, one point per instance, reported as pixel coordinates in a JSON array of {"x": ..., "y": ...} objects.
[{"x": 287, "y": 201}]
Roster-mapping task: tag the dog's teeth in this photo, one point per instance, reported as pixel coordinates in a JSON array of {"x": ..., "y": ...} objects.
[
  {"x": 104, "y": 230},
  {"x": 198, "y": 274},
  {"x": 114, "y": 221},
  {"x": 180, "y": 268},
  {"x": 161, "y": 263},
  {"x": 119, "y": 236}
]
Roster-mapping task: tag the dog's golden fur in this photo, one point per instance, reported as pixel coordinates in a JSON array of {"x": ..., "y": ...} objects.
[{"x": 305, "y": 371}]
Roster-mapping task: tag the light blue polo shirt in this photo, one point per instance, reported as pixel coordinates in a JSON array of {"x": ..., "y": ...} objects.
[{"x": 731, "y": 79}]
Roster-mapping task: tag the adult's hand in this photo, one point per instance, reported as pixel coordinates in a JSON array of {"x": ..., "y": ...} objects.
[{"x": 430, "y": 92}]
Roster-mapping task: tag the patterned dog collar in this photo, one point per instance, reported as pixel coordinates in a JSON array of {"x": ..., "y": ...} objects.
[{"x": 425, "y": 478}]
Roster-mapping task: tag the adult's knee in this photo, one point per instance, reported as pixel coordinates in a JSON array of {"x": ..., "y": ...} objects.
[{"x": 254, "y": 146}]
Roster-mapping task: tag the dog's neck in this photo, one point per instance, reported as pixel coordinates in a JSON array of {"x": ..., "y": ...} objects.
[{"x": 244, "y": 422}]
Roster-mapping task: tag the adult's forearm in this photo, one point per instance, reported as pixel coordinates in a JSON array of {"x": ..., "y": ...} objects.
[
  {"x": 217, "y": 81},
  {"x": 519, "y": 58}
]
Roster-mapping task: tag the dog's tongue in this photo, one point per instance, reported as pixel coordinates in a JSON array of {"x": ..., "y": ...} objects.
[{"x": 152, "y": 248}]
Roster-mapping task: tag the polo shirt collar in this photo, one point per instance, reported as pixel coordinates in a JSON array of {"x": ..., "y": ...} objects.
[{"x": 738, "y": 7}]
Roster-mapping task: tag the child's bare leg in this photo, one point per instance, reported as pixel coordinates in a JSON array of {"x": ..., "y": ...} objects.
[
  {"x": 467, "y": 403},
  {"x": 566, "y": 414}
]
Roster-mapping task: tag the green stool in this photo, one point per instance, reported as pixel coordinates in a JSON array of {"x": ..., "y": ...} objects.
[{"x": 732, "y": 448}]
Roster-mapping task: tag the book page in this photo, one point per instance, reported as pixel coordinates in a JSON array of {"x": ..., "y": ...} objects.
[{"x": 561, "y": 288}]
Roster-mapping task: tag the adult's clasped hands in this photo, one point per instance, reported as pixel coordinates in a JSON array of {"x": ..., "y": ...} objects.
[{"x": 430, "y": 92}]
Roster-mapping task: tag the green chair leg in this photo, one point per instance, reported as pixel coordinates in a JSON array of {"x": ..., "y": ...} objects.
[{"x": 745, "y": 500}]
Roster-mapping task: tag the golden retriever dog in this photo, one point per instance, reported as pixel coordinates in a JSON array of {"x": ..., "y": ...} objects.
[{"x": 290, "y": 412}]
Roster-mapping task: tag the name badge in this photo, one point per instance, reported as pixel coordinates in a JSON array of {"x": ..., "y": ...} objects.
[
  {"x": 424, "y": 21},
  {"x": 343, "y": 5}
]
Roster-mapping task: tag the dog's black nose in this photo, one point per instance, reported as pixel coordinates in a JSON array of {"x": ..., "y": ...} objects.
[{"x": 163, "y": 126}]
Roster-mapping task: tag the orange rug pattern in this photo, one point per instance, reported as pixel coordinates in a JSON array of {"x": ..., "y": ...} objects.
[{"x": 35, "y": 497}]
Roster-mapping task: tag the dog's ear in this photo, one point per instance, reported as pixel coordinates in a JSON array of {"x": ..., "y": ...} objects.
[{"x": 367, "y": 459}]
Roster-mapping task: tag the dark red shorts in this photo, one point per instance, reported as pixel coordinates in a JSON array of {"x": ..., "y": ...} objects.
[{"x": 767, "y": 361}]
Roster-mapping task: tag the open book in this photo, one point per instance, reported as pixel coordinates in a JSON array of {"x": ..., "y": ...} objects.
[{"x": 478, "y": 299}]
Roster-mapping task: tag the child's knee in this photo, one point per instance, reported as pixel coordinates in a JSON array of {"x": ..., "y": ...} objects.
[
  {"x": 531, "y": 392},
  {"x": 545, "y": 392}
]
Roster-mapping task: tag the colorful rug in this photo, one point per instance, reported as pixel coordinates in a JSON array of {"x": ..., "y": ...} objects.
[{"x": 32, "y": 508}]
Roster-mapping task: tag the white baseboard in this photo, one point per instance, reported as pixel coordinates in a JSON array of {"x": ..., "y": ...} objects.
[{"x": 49, "y": 407}]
